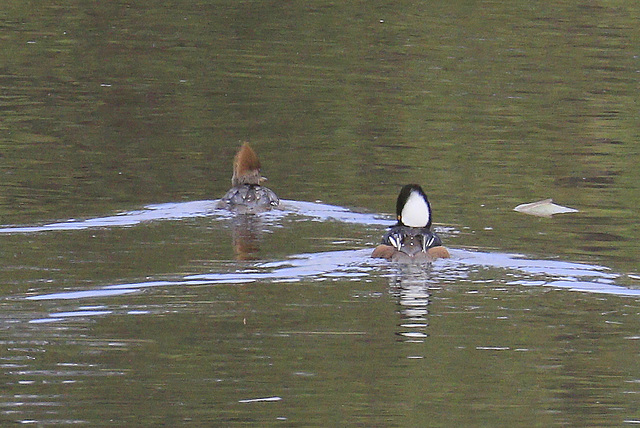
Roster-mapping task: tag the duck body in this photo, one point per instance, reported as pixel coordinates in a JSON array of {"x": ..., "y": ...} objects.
[
  {"x": 249, "y": 198},
  {"x": 411, "y": 238},
  {"x": 247, "y": 194}
]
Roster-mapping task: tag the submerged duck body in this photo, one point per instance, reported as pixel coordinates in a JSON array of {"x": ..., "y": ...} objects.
[
  {"x": 247, "y": 195},
  {"x": 411, "y": 238}
]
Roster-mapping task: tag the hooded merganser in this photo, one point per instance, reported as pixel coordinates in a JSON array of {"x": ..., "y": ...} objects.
[
  {"x": 247, "y": 194},
  {"x": 411, "y": 238}
]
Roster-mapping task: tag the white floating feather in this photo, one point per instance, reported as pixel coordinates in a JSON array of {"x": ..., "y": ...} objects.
[{"x": 544, "y": 208}]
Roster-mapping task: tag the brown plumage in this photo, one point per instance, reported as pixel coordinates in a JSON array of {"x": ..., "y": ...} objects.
[
  {"x": 246, "y": 167},
  {"x": 383, "y": 251},
  {"x": 247, "y": 195},
  {"x": 390, "y": 253}
]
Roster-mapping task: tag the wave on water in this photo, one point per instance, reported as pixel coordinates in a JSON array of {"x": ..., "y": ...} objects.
[
  {"x": 357, "y": 265},
  {"x": 208, "y": 208},
  {"x": 333, "y": 265}
]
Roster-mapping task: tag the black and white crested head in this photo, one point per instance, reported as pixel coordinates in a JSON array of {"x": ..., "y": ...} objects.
[{"x": 412, "y": 207}]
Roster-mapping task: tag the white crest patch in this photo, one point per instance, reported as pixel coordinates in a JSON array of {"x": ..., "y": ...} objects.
[{"x": 415, "y": 212}]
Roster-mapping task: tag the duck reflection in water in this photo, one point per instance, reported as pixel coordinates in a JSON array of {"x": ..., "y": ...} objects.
[
  {"x": 411, "y": 240},
  {"x": 246, "y": 236},
  {"x": 411, "y": 287},
  {"x": 247, "y": 197}
]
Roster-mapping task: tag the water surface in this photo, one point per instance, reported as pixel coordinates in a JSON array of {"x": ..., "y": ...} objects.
[{"x": 128, "y": 299}]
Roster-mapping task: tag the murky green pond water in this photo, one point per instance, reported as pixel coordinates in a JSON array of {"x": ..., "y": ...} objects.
[{"x": 129, "y": 300}]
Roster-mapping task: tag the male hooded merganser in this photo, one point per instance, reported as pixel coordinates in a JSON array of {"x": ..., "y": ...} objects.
[
  {"x": 247, "y": 195},
  {"x": 411, "y": 238}
]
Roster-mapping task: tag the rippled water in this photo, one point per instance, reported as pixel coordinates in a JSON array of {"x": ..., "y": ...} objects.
[
  {"x": 476, "y": 336},
  {"x": 315, "y": 266},
  {"x": 128, "y": 299}
]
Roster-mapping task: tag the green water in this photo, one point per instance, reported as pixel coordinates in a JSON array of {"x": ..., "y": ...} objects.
[{"x": 108, "y": 107}]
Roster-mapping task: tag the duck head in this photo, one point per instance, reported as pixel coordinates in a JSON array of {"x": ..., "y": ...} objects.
[
  {"x": 246, "y": 167},
  {"x": 413, "y": 208}
]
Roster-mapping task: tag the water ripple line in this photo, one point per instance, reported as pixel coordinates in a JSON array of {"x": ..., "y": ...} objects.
[
  {"x": 206, "y": 208},
  {"x": 357, "y": 265}
]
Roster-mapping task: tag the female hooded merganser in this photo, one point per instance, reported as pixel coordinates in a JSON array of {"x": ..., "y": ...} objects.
[
  {"x": 411, "y": 239},
  {"x": 247, "y": 195}
]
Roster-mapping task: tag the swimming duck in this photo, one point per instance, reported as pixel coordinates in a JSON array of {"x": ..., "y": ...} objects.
[
  {"x": 247, "y": 195},
  {"x": 411, "y": 238}
]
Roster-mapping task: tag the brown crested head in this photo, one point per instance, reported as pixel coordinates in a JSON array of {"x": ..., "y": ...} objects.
[{"x": 246, "y": 167}]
